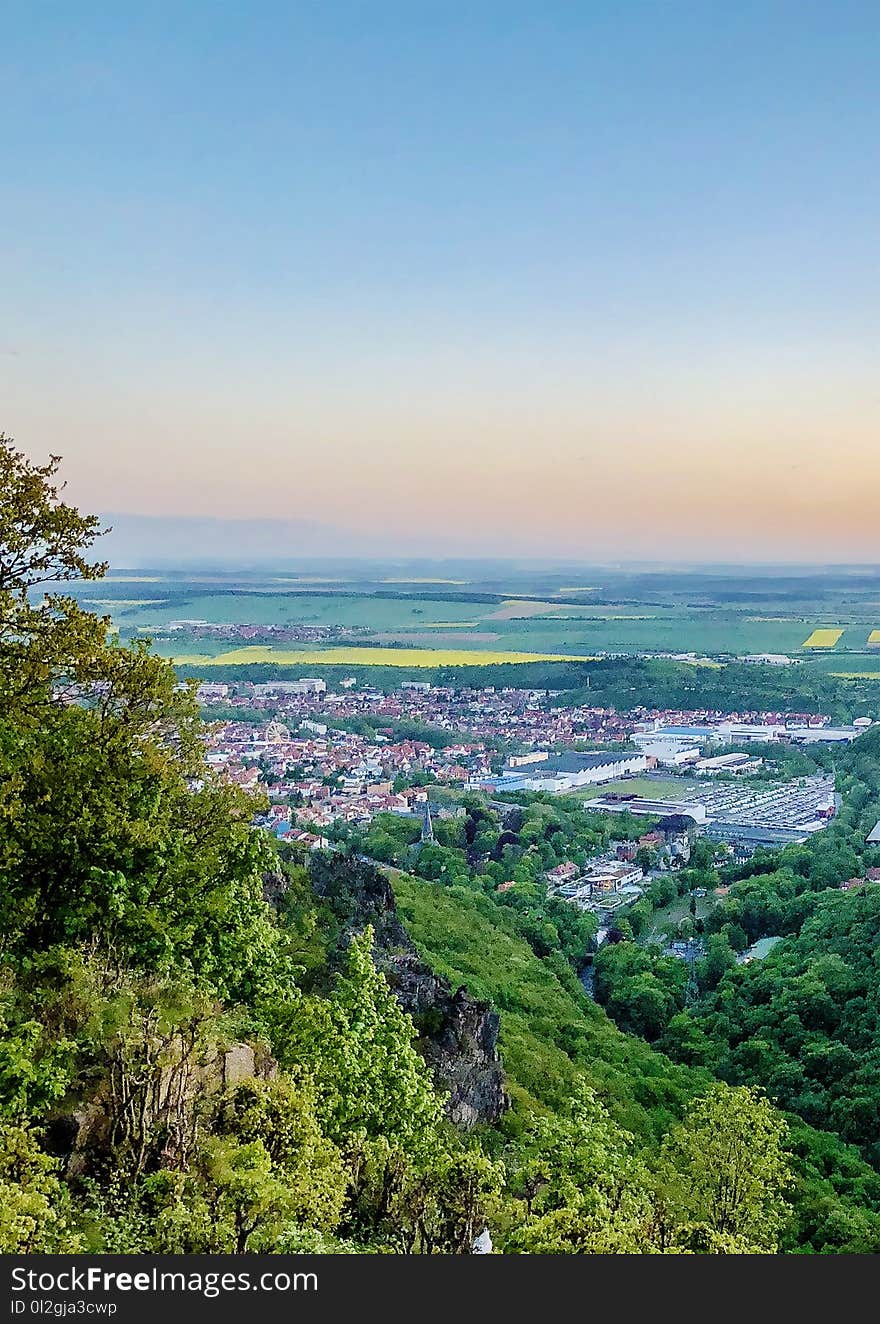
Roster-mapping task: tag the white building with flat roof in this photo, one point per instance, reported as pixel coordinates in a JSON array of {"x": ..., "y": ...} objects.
[
  {"x": 670, "y": 753},
  {"x": 305, "y": 685}
]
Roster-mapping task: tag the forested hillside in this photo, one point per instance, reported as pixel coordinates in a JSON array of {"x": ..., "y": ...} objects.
[
  {"x": 805, "y": 1021},
  {"x": 207, "y": 1047}
]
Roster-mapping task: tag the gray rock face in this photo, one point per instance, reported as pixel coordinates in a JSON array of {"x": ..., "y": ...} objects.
[
  {"x": 149, "y": 1108},
  {"x": 458, "y": 1036},
  {"x": 239, "y": 1064}
]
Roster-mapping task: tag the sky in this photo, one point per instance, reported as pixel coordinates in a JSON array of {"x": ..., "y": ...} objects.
[{"x": 579, "y": 279}]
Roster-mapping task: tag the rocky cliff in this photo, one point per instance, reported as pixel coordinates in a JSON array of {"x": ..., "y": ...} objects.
[{"x": 458, "y": 1036}]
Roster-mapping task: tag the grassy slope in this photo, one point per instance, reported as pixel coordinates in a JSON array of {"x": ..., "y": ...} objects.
[{"x": 550, "y": 1030}]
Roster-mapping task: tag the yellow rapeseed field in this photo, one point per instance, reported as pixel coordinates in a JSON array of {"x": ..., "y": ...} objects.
[
  {"x": 874, "y": 637},
  {"x": 823, "y": 638},
  {"x": 372, "y": 657}
]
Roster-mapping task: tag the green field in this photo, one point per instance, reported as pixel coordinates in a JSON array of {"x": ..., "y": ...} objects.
[
  {"x": 401, "y": 622},
  {"x": 519, "y": 611},
  {"x": 652, "y": 788},
  {"x": 306, "y": 608}
]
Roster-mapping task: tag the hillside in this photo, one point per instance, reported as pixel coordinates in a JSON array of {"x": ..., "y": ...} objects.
[
  {"x": 551, "y": 1032},
  {"x": 553, "y": 1038}
]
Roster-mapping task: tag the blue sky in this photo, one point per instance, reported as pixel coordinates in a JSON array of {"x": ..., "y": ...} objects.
[{"x": 396, "y": 257}]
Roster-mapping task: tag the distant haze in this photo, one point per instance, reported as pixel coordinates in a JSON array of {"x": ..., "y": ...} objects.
[
  {"x": 156, "y": 540},
  {"x": 172, "y": 542}
]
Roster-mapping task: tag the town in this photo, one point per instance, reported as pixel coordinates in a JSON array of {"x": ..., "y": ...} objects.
[{"x": 346, "y": 755}]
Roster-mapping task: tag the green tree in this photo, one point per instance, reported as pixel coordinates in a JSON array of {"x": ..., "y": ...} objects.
[
  {"x": 33, "y": 1207},
  {"x": 577, "y": 1186},
  {"x": 719, "y": 957},
  {"x": 281, "y": 1116},
  {"x": 113, "y": 827},
  {"x": 45, "y": 637},
  {"x": 359, "y": 1047},
  {"x": 725, "y": 1172}
]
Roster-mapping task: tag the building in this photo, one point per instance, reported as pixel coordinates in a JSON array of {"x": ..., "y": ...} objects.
[
  {"x": 745, "y": 733},
  {"x": 645, "y": 808},
  {"x": 771, "y": 660},
  {"x": 738, "y": 763},
  {"x": 670, "y": 753},
  {"x": 656, "y": 730},
  {"x": 505, "y": 781},
  {"x": 612, "y": 875},
  {"x": 825, "y": 735},
  {"x": 758, "y": 950},
  {"x": 746, "y": 837},
  {"x": 305, "y": 685},
  {"x": 563, "y": 873},
  {"x": 211, "y": 691},
  {"x": 801, "y": 731},
  {"x": 565, "y": 772}
]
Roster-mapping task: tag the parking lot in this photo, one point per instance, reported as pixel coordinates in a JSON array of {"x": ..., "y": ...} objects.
[{"x": 796, "y": 804}]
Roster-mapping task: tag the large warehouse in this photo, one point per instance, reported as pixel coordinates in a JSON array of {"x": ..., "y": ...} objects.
[{"x": 565, "y": 772}]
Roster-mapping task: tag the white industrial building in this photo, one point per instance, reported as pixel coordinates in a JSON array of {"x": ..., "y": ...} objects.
[
  {"x": 305, "y": 685},
  {"x": 569, "y": 771},
  {"x": 521, "y": 760},
  {"x": 739, "y": 763},
  {"x": 211, "y": 691},
  {"x": 670, "y": 753},
  {"x": 643, "y": 807},
  {"x": 744, "y": 733}
]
